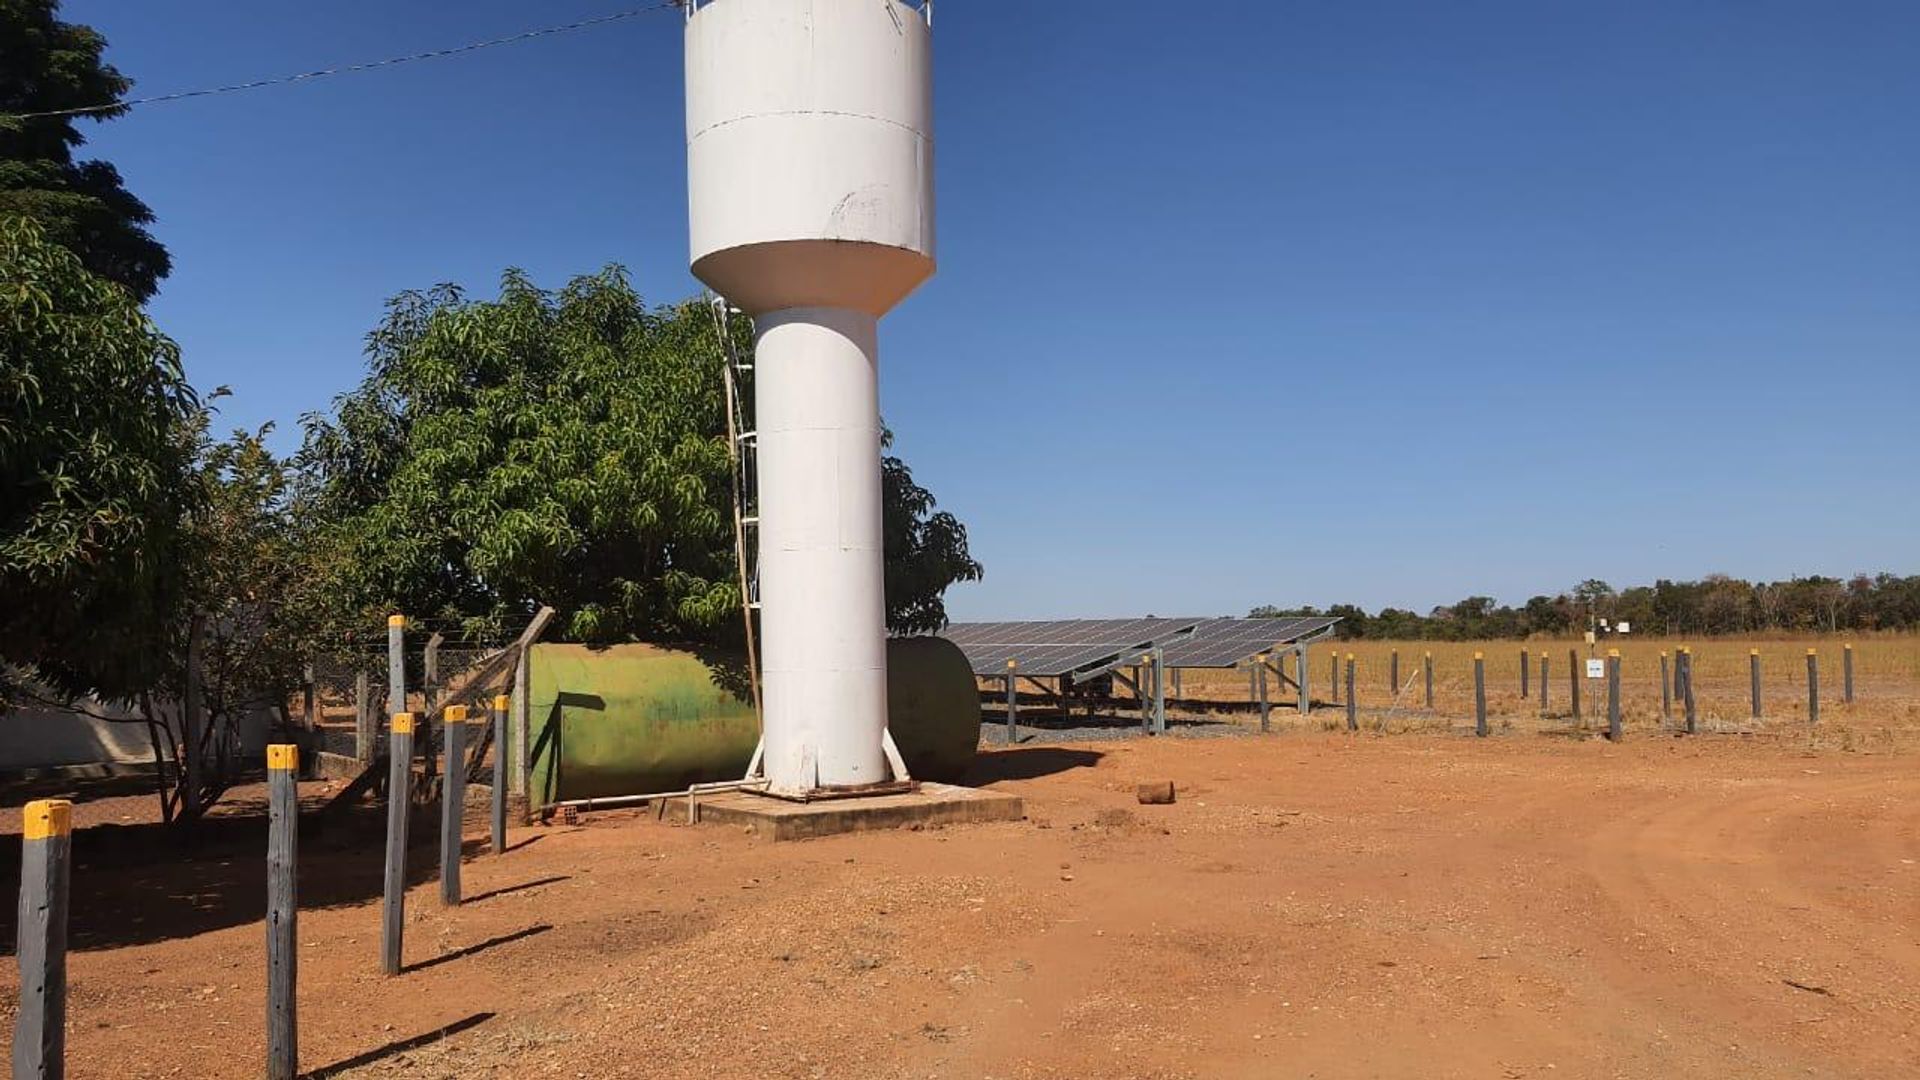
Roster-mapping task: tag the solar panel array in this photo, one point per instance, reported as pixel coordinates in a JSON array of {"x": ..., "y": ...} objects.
[
  {"x": 1225, "y": 643},
  {"x": 1059, "y": 647}
]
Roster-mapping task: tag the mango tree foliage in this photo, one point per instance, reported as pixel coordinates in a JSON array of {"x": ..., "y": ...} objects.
[
  {"x": 47, "y": 65},
  {"x": 95, "y": 465},
  {"x": 564, "y": 448}
]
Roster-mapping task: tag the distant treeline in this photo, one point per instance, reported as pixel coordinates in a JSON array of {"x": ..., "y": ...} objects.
[{"x": 1716, "y": 604}]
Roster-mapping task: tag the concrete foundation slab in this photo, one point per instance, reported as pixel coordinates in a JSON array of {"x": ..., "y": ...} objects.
[{"x": 932, "y": 804}]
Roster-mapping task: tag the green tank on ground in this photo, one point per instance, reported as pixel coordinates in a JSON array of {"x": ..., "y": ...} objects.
[{"x": 637, "y": 719}]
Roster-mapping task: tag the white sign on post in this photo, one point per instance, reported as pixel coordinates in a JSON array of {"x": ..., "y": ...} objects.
[
  {"x": 1622, "y": 628},
  {"x": 1596, "y": 669}
]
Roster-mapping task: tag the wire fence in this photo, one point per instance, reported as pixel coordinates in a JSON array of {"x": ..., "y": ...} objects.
[{"x": 120, "y": 767}]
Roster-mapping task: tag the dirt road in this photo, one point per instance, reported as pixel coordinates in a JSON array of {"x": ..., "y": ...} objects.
[{"x": 1313, "y": 906}]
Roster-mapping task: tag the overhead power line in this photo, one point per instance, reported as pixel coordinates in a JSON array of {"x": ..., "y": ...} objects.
[{"x": 392, "y": 61}]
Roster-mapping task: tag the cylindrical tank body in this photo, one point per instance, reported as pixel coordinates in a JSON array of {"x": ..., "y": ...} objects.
[
  {"x": 637, "y": 719},
  {"x": 810, "y": 193},
  {"x": 810, "y": 152}
]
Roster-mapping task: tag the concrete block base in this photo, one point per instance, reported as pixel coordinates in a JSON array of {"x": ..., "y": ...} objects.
[{"x": 932, "y": 804}]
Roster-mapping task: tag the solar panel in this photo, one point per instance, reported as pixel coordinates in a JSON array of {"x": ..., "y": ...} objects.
[
  {"x": 1225, "y": 643},
  {"x": 1061, "y": 646}
]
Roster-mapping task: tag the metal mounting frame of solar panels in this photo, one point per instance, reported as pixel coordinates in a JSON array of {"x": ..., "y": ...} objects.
[
  {"x": 1259, "y": 646},
  {"x": 1072, "y": 651}
]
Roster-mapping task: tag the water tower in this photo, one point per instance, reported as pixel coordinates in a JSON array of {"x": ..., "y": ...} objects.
[{"x": 810, "y": 196}]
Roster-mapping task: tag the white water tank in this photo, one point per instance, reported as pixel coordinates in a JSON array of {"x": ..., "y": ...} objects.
[{"x": 810, "y": 198}]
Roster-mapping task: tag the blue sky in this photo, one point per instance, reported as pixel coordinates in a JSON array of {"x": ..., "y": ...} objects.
[{"x": 1291, "y": 303}]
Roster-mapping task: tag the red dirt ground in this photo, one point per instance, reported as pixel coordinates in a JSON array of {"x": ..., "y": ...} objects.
[{"x": 1314, "y": 905}]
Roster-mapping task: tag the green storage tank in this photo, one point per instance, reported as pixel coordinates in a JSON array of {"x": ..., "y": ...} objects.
[{"x": 635, "y": 719}]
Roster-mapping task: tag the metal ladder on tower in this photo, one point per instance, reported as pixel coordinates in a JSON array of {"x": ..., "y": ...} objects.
[
  {"x": 743, "y": 458},
  {"x": 743, "y": 448}
]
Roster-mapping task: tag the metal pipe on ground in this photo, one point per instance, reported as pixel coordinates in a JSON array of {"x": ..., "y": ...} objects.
[{"x": 616, "y": 802}]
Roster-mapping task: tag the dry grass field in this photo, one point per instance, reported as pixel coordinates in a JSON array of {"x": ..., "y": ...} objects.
[{"x": 1885, "y": 712}]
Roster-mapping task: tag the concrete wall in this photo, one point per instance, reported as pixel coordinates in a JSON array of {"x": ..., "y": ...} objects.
[{"x": 46, "y": 737}]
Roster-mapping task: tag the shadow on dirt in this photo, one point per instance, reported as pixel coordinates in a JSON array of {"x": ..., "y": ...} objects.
[
  {"x": 1027, "y": 763},
  {"x": 397, "y": 1047},
  {"x": 138, "y": 884}
]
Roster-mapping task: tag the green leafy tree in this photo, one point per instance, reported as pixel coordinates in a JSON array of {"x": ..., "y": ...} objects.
[
  {"x": 95, "y": 454},
  {"x": 248, "y": 575},
  {"x": 48, "y": 65},
  {"x": 563, "y": 448}
]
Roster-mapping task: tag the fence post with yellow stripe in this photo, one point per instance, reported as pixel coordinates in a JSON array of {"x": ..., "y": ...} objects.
[
  {"x": 399, "y": 785},
  {"x": 1813, "y": 686},
  {"x": 1688, "y": 701},
  {"x": 1613, "y": 695},
  {"x": 500, "y": 705},
  {"x": 1480, "y": 695},
  {"x": 46, "y": 860},
  {"x": 1353, "y": 704},
  {"x": 1666, "y": 690},
  {"x": 283, "y": 907},
  {"x": 1546, "y": 687},
  {"x": 453, "y": 802}
]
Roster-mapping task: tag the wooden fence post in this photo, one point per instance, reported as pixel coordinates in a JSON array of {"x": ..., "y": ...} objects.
[
  {"x": 501, "y": 703},
  {"x": 46, "y": 860},
  {"x": 1846, "y": 664},
  {"x": 283, "y": 912},
  {"x": 1753, "y": 680},
  {"x": 453, "y": 802},
  {"x": 523, "y": 731},
  {"x": 429, "y": 700},
  {"x": 1334, "y": 676},
  {"x": 1429, "y": 676},
  {"x": 1525, "y": 690},
  {"x": 1393, "y": 673},
  {"x": 365, "y": 729},
  {"x": 1480, "y": 695},
  {"x": 399, "y": 795}
]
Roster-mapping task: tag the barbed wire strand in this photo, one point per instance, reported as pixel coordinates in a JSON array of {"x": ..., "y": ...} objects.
[{"x": 349, "y": 69}]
